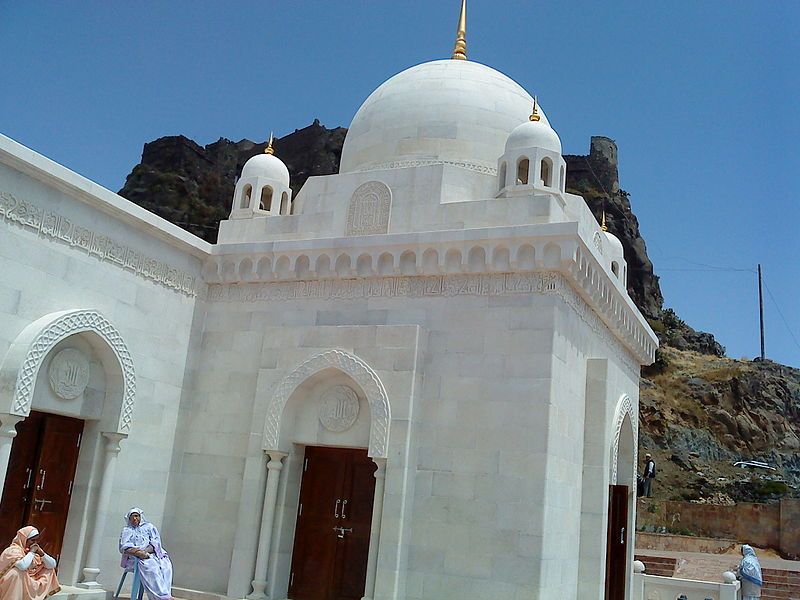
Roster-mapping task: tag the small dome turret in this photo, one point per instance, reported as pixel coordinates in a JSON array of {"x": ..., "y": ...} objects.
[
  {"x": 534, "y": 134},
  {"x": 615, "y": 254},
  {"x": 263, "y": 189},
  {"x": 266, "y": 165},
  {"x": 532, "y": 158}
]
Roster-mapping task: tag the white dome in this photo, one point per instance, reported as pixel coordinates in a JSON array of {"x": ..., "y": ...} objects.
[
  {"x": 268, "y": 166},
  {"x": 534, "y": 134},
  {"x": 441, "y": 111},
  {"x": 615, "y": 246}
]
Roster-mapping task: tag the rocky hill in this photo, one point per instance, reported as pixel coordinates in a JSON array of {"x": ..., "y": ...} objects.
[{"x": 700, "y": 411}]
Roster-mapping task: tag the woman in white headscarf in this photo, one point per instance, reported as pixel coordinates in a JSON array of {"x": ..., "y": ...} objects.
[
  {"x": 140, "y": 540},
  {"x": 749, "y": 572}
]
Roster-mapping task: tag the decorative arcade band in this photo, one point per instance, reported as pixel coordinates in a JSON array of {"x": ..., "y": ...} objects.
[{"x": 27, "y": 572}]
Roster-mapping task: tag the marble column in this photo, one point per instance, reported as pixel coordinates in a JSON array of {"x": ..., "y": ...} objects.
[
  {"x": 375, "y": 528},
  {"x": 8, "y": 431},
  {"x": 274, "y": 467},
  {"x": 92, "y": 568}
]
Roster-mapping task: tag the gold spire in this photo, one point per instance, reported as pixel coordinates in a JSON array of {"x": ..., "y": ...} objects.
[
  {"x": 535, "y": 114},
  {"x": 603, "y": 224},
  {"x": 460, "y": 50},
  {"x": 269, "y": 149}
]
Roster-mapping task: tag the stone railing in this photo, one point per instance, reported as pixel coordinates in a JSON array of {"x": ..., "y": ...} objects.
[{"x": 650, "y": 587}]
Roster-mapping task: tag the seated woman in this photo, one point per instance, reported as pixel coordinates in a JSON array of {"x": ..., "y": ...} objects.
[
  {"x": 140, "y": 540},
  {"x": 27, "y": 571}
]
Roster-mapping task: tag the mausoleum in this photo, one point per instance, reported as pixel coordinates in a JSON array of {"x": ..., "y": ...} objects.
[{"x": 415, "y": 380}]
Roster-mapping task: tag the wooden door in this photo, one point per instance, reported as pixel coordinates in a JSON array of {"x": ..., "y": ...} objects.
[
  {"x": 37, "y": 491},
  {"x": 331, "y": 545},
  {"x": 18, "y": 486},
  {"x": 617, "y": 542}
]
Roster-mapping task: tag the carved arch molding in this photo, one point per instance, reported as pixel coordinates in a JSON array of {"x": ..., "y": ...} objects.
[
  {"x": 40, "y": 337},
  {"x": 360, "y": 372},
  {"x": 624, "y": 408}
]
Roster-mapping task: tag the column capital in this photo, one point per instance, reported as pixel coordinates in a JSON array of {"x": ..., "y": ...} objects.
[
  {"x": 8, "y": 424},
  {"x": 275, "y": 458},
  {"x": 380, "y": 472},
  {"x": 112, "y": 441}
]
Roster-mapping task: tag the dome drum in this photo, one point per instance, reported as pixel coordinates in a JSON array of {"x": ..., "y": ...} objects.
[
  {"x": 261, "y": 196},
  {"x": 529, "y": 169}
]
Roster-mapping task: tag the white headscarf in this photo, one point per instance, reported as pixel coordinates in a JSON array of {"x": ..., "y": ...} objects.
[
  {"x": 139, "y": 512},
  {"x": 750, "y": 568}
]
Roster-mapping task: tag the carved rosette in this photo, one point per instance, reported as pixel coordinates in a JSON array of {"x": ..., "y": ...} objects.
[
  {"x": 360, "y": 372},
  {"x": 338, "y": 408},
  {"x": 69, "y": 373},
  {"x": 368, "y": 212}
]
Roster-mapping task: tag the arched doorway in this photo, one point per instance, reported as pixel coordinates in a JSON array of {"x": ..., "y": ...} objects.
[
  {"x": 72, "y": 386},
  {"x": 326, "y": 435},
  {"x": 621, "y": 496}
]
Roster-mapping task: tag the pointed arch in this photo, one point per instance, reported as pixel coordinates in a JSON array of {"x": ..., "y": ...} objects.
[
  {"x": 25, "y": 357},
  {"x": 360, "y": 372},
  {"x": 624, "y": 409}
]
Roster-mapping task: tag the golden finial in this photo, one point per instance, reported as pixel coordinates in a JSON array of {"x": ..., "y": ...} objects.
[
  {"x": 269, "y": 149},
  {"x": 535, "y": 114},
  {"x": 460, "y": 50},
  {"x": 603, "y": 224}
]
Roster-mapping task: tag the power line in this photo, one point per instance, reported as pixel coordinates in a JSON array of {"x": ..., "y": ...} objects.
[{"x": 778, "y": 308}]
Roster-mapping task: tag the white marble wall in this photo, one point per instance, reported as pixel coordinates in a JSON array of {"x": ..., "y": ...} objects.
[
  {"x": 497, "y": 432},
  {"x": 42, "y": 275}
]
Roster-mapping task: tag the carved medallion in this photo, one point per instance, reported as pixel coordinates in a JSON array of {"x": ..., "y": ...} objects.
[
  {"x": 598, "y": 242},
  {"x": 69, "y": 373},
  {"x": 338, "y": 408},
  {"x": 368, "y": 212}
]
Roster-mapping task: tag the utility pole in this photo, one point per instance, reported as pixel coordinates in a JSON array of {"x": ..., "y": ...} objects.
[{"x": 761, "y": 310}]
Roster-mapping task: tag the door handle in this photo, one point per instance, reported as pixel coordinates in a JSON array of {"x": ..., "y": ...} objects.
[
  {"x": 29, "y": 471},
  {"x": 43, "y": 473},
  {"x": 622, "y": 536},
  {"x": 340, "y": 531},
  {"x": 344, "y": 503},
  {"x": 42, "y": 502},
  {"x": 336, "y": 509}
]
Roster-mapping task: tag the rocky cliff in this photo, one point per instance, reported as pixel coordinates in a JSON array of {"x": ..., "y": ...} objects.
[
  {"x": 700, "y": 411},
  {"x": 192, "y": 186}
]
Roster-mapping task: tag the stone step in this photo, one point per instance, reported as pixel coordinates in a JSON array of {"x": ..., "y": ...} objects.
[
  {"x": 657, "y": 565},
  {"x": 780, "y": 584}
]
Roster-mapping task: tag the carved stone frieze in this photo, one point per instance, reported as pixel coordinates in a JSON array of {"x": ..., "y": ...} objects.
[
  {"x": 54, "y": 226},
  {"x": 407, "y": 164},
  {"x": 69, "y": 373},
  {"x": 487, "y": 284},
  {"x": 368, "y": 212}
]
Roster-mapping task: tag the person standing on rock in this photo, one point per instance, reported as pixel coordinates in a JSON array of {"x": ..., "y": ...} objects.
[{"x": 648, "y": 475}]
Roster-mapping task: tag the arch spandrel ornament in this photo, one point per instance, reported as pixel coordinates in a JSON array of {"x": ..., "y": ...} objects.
[
  {"x": 25, "y": 357},
  {"x": 360, "y": 372},
  {"x": 624, "y": 408}
]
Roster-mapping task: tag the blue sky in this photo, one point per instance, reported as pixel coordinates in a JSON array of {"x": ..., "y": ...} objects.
[{"x": 701, "y": 98}]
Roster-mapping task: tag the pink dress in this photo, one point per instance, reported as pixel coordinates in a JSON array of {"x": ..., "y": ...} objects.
[{"x": 35, "y": 583}]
